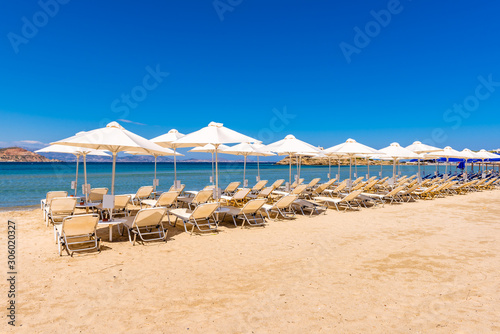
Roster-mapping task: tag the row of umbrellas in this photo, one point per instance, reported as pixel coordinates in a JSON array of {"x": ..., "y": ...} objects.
[{"x": 212, "y": 138}]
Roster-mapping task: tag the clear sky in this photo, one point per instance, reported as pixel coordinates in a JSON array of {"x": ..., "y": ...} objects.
[{"x": 376, "y": 71}]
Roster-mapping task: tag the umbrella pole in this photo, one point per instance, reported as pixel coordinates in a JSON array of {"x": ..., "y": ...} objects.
[
  {"x": 258, "y": 168},
  {"x": 212, "y": 167},
  {"x": 350, "y": 172},
  {"x": 356, "y": 166},
  {"x": 368, "y": 166},
  {"x": 338, "y": 169},
  {"x": 300, "y": 165},
  {"x": 394, "y": 173},
  {"x": 175, "y": 167},
  {"x": 446, "y": 167},
  {"x": 290, "y": 170},
  {"x": 329, "y": 168},
  {"x": 85, "y": 175},
  {"x": 216, "y": 175},
  {"x": 112, "y": 175},
  {"x": 244, "y": 168},
  {"x": 76, "y": 179},
  {"x": 154, "y": 181}
]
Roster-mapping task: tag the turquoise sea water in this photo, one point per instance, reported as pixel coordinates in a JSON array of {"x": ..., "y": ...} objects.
[{"x": 24, "y": 184}]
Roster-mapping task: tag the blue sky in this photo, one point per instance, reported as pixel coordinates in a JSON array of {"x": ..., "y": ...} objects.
[{"x": 264, "y": 68}]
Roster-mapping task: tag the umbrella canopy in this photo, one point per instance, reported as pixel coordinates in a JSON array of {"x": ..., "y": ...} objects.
[
  {"x": 215, "y": 134},
  {"x": 246, "y": 149},
  {"x": 487, "y": 155},
  {"x": 468, "y": 154},
  {"x": 113, "y": 138},
  {"x": 167, "y": 140},
  {"x": 447, "y": 153},
  {"x": 290, "y": 146},
  {"x": 419, "y": 147},
  {"x": 351, "y": 148},
  {"x": 76, "y": 151},
  {"x": 397, "y": 152}
]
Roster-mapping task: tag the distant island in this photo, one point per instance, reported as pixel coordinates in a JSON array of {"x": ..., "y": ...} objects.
[{"x": 18, "y": 154}]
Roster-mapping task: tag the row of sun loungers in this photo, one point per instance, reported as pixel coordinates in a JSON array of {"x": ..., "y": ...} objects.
[{"x": 197, "y": 210}]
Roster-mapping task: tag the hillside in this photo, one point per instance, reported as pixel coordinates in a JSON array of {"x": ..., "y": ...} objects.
[
  {"x": 306, "y": 161},
  {"x": 17, "y": 154}
]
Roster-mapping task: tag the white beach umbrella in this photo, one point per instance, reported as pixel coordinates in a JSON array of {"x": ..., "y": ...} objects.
[
  {"x": 321, "y": 155},
  {"x": 215, "y": 134},
  {"x": 261, "y": 147},
  {"x": 485, "y": 155},
  {"x": 209, "y": 148},
  {"x": 352, "y": 148},
  {"x": 469, "y": 155},
  {"x": 331, "y": 152},
  {"x": 396, "y": 153},
  {"x": 167, "y": 140},
  {"x": 447, "y": 153},
  {"x": 113, "y": 138},
  {"x": 76, "y": 151},
  {"x": 245, "y": 150},
  {"x": 419, "y": 148},
  {"x": 156, "y": 155},
  {"x": 290, "y": 146}
]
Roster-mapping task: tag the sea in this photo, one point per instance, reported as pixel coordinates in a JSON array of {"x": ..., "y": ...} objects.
[{"x": 23, "y": 185}]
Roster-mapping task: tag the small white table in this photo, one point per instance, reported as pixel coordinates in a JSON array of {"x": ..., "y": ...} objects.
[
  {"x": 87, "y": 205},
  {"x": 110, "y": 224},
  {"x": 219, "y": 211}
]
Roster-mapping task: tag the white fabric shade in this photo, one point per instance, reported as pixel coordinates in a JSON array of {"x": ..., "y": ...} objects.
[
  {"x": 397, "y": 152},
  {"x": 167, "y": 140},
  {"x": 77, "y": 151},
  {"x": 419, "y": 147},
  {"x": 245, "y": 150},
  {"x": 215, "y": 134},
  {"x": 351, "y": 148},
  {"x": 113, "y": 138},
  {"x": 290, "y": 146}
]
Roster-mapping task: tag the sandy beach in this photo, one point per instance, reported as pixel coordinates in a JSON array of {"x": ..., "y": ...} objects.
[{"x": 423, "y": 267}]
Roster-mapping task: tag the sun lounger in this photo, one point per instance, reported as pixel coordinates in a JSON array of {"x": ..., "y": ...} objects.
[
  {"x": 336, "y": 191},
  {"x": 46, "y": 203},
  {"x": 141, "y": 194},
  {"x": 231, "y": 188},
  {"x": 313, "y": 183},
  {"x": 96, "y": 194},
  {"x": 120, "y": 207},
  {"x": 179, "y": 190},
  {"x": 309, "y": 205},
  {"x": 283, "y": 207},
  {"x": 238, "y": 198},
  {"x": 277, "y": 183},
  {"x": 201, "y": 197},
  {"x": 348, "y": 201},
  {"x": 167, "y": 200},
  {"x": 147, "y": 222},
  {"x": 249, "y": 213},
  {"x": 203, "y": 212},
  {"x": 78, "y": 231},
  {"x": 264, "y": 193},
  {"x": 259, "y": 186}
]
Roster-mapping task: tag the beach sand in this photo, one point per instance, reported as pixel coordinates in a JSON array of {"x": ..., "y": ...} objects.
[{"x": 424, "y": 267}]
